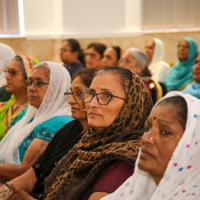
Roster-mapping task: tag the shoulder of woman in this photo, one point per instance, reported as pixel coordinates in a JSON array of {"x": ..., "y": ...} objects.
[{"x": 50, "y": 126}]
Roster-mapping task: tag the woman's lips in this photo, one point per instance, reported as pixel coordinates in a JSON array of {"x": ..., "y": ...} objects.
[
  {"x": 7, "y": 84},
  {"x": 94, "y": 114},
  {"x": 145, "y": 154},
  {"x": 32, "y": 97},
  {"x": 74, "y": 109}
]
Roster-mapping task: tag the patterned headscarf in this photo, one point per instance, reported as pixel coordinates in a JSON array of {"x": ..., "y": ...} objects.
[
  {"x": 27, "y": 64},
  {"x": 181, "y": 179},
  {"x": 120, "y": 141}
]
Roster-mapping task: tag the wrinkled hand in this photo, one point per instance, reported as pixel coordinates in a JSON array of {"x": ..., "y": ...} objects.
[{"x": 19, "y": 194}]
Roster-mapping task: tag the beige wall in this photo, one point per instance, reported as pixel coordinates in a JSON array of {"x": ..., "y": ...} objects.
[{"x": 48, "y": 49}]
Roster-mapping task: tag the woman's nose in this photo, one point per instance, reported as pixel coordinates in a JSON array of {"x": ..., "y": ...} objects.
[
  {"x": 149, "y": 137},
  {"x": 71, "y": 100},
  {"x": 94, "y": 102}
]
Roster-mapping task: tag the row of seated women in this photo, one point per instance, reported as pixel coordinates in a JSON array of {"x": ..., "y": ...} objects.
[
  {"x": 93, "y": 155},
  {"x": 161, "y": 76}
]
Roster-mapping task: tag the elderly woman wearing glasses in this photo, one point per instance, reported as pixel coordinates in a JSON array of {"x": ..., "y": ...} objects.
[
  {"x": 16, "y": 73},
  {"x": 137, "y": 61},
  {"x": 180, "y": 74},
  {"x": 47, "y": 112},
  {"x": 33, "y": 180},
  {"x": 116, "y": 108}
]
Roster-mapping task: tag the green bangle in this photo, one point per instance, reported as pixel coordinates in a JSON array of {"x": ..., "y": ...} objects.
[{"x": 8, "y": 186}]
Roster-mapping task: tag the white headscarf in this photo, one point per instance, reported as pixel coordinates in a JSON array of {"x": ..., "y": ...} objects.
[
  {"x": 158, "y": 67},
  {"x": 6, "y": 55},
  {"x": 182, "y": 176},
  {"x": 53, "y": 104}
]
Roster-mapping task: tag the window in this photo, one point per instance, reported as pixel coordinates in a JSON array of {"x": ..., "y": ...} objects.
[
  {"x": 10, "y": 18},
  {"x": 170, "y": 14}
]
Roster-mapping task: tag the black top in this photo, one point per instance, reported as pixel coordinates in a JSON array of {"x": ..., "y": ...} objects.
[
  {"x": 62, "y": 142},
  {"x": 4, "y": 95},
  {"x": 74, "y": 67}
]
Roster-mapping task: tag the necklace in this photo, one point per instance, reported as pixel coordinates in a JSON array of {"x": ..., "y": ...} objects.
[{"x": 14, "y": 109}]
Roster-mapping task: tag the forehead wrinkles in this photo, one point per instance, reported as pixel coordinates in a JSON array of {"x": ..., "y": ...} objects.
[{"x": 167, "y": 114}]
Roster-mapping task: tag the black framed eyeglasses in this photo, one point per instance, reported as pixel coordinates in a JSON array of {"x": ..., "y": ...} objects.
[
  {"x": 103, "y": 98},
  {"x": 76, "y": 95},
  {"x": 38, "y": 83},
  {"x": 12, "y": 72}
]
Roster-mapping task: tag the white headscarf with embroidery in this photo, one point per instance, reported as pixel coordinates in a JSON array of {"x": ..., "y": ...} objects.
[{"x": 182, "y": 176}]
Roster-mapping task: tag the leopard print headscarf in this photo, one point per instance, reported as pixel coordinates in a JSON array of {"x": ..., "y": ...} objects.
[{"x": 120, "y": 141}]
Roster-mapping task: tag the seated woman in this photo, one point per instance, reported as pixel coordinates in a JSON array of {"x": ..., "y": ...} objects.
[
  {"x": 180, "y": 74},
  {"x": 94, "y": 55},
  {"x": 116, "y": 109},
  {"x": 137, "y": 61},
  {"x": 168, "y": 163},
  {"x": 17, "y": 72},
  {"x": 111, "y": 56},
  {"x": 33, "y": 180},
  {"x": 194, "y": 89},
  {"x": 46, "y": 113},
  {"x": 6, "y": 55},
  {"x": 72, "y": 55},
  {"x": 158, "y": 67}
]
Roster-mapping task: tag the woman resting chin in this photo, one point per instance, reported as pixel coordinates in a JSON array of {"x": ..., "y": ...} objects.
[
  {"x": 168, "y": 163},
  {"x": 47, "y": 112}
]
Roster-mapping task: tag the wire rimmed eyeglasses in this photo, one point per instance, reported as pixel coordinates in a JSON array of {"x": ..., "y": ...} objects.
[{"x": 103, "y": 98}]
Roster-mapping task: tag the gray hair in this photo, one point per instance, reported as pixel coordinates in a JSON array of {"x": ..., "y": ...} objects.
[
  {"x": 142, "y": 59},
  {"x": 44, "y": 66}
]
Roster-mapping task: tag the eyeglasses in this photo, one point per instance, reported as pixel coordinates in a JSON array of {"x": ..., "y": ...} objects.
[
  {"x": 103, "y": 98},
  {"x": 76, "y": 95},
  {"x": 36, "y": 82},
  {"x": 92, "y": 55},
  {"x": 123, "y": 62},
  {"x": 183, "y": 46},
  {"x": 63, "y": 50},
  {"x": 12, "y": 72}
]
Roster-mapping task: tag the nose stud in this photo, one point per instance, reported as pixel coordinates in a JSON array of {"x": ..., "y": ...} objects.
[{"x": 151, "y": 138}]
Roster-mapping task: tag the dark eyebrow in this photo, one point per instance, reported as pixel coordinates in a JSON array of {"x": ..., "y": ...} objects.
[{"x": 77, "y": 88}]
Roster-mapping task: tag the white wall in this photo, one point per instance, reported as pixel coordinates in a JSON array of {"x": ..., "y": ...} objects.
[{"x": 81, "y": 18}]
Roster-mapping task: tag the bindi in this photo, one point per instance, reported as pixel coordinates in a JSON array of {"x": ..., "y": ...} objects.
[
  {"x": 154, "y": 118},
  {"x": 97, "y": 87}
]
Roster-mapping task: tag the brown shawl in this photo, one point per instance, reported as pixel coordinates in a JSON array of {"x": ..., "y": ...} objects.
[{"x": 121, "y": 140}]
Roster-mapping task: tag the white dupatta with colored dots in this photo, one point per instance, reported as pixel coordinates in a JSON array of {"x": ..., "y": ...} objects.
[{"x": 182, "y": 176}]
